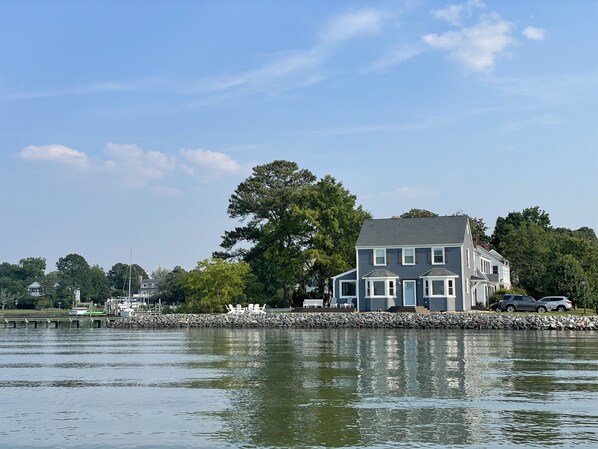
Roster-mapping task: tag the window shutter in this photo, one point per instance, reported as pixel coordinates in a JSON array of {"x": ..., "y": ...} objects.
[
  {"x": 400, "y": 252},
  {"x": 387, "y": 253},
  {"x": 416, "y": 256},
  {"x": 430, "y": 255},
  {"x": 445, "y": 256},
  {"x": 372, "y": 257}
]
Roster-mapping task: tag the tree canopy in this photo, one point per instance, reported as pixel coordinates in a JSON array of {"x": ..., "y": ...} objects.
[
  {"x": 293, "y": 227},
  {"x": 213, "y": 284}
]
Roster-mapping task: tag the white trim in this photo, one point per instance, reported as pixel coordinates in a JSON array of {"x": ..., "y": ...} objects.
[
  {"x": 385, "y": 281},
  {"x": 403, "y": 255},
  {"x": 375, "y": 257},
  {"x": 429, "y": 245},
  {"x": 357, "y": 278},
  {"x": 340, "y": 287},
  {"x": 414, "y": 291},
  {"x": 443, "y": 255},
  {"x": 446, "y": 286},
  {"x": 334, "y": 278}
]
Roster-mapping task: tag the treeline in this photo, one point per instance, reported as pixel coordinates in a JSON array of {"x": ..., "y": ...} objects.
[
  {"x": 297, "y": 231},
  {"x": 58, "y": 287}
]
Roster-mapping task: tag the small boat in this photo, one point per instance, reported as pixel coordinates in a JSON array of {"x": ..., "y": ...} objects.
[{"x": 79, "y": 311}]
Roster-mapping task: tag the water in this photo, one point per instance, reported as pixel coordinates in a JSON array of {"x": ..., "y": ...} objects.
[{"x": 223, "y": 388}]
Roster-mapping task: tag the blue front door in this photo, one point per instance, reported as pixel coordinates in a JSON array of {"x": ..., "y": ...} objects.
[{"x": 408, "y": 293}]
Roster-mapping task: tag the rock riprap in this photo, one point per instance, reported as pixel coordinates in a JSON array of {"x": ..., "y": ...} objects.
[{"x": 465, "y": 320}]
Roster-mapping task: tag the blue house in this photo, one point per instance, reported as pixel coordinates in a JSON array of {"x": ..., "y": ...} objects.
[{"x": 409, "y": 262}]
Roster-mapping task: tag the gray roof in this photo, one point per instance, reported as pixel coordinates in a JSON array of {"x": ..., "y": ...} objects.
[
  {"x": 412, "y": 231},
  {"x": 439, "y": 272},
  {"x": 380, "y": 273}
]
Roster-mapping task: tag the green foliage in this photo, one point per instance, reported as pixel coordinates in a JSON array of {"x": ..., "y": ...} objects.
[
  {"x": 548, "y": 261},
  {"x": 74, "y": 273},
  {"x": 118, "y": 278},
  {"x": 295, "y": 229},
  {"x": 498, "y": 294},
  {"x": 170, "y": 289},
  {"x": 418, "y": 213},
  {"x": 213, "y": 284}
]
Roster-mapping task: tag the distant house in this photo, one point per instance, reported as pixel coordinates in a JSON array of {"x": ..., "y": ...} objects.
[
  {"x": 148, "y": 288},
  {"x": 35, "y": 289},
  {"x": 492, "y": 273},
  {"x": 407, "y": 262}
]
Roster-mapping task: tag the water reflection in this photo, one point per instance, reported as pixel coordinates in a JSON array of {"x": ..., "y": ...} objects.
[
  {"x": 347, "y": 388},
  {"x": 297, "y": 388}
]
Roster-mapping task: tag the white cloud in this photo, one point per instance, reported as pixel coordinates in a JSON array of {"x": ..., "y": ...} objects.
[
  {"x": 453, "y": 14},
  {"x": 209, "y": 164},
  {"x": 534, "y": 34},
  {"x": 476, "y": 47},
  {"x": 55, "y": 153},
  {"x": 137, "y": 167},
  {"x": 300, "y": 68},
  {"x": 392, "y": 59},
  {"x": 167, "y": 191},
  {"x": 353, "y": 24}
]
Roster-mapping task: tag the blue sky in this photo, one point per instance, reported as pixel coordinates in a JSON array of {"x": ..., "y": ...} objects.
[{"x": 128, "y": 124}]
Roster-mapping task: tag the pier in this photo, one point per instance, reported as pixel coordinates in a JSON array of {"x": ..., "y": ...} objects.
[{"x": 56, "y": 322}]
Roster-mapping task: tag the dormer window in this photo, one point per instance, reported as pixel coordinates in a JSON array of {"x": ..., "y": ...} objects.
[{"x": 380, "y": 256}]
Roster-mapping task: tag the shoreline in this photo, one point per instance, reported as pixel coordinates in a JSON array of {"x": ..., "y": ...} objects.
[{"x": 365, "y": 320}]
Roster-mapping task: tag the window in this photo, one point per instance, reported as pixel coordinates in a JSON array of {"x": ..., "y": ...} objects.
[
  {"x": 485, "y": 266},
  {"x": 468, "y": 258},
  {"x": 379, "y": 287},
  {"x": 494, "y": 269},
  {"x": 380, "y": 256},
  {"x": 439, "y": 287},
  {"x": 348, "y": 288},
  {"x": 408, "y": 256},
  {"x": 437, "y": 256}
]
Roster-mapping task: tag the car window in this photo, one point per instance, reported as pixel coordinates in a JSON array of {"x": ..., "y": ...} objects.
[{"x": 528, "y": 299}]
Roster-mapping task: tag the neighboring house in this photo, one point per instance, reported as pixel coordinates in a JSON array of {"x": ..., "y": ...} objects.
[
  {"x": 493, "y": 272},
  {"x": 425, "y": 262},
  {"x": 35, "y": 289},
  {"x": 148, "y": 288}
]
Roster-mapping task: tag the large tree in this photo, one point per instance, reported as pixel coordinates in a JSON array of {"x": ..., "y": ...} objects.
[
  {"x": 119, "y": 276},
  {"x": 170, "y": 289},
  {"x": 514, "y": 219},
  {"x": 213, "y": 284},
  {"x": 74, "y": 274},
  {"x": 336, "y": 221},
  {"x": 267, "y": 203}
]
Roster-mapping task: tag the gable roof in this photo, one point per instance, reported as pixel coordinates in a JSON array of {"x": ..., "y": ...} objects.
[{"x": 413, "y": 231}]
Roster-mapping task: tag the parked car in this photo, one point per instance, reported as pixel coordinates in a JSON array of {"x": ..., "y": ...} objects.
[
  {"x": 558, "y": 303},
  {"x": 521, "y": 303}
]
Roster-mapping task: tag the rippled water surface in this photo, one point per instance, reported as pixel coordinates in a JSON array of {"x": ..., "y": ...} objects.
[{"x": 223, "y": 388}]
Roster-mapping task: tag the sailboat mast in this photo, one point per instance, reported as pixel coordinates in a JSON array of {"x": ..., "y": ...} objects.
[{"x": 130, "y": 258}]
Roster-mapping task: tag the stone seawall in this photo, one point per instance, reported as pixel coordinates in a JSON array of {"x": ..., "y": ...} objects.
[{"x": 469, "y": 320}]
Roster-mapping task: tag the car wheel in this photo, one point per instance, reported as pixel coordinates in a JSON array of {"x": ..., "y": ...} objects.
[
  {"x": 510, "y": 308},
  {"x": 541, "y": 309},
  {"x": 560, "y": 309}
]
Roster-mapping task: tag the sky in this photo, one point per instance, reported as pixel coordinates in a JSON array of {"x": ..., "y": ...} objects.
[{"x": 125, "y": 126}]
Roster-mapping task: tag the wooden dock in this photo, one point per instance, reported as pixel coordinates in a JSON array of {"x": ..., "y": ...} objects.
[{"x": 56, "y": 322}]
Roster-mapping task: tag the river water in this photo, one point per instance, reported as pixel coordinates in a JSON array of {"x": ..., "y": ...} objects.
[{"x": 274, "y": 388}]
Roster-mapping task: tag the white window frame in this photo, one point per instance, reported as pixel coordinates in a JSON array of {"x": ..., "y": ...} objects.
[
  {"x": 435, "y": 248},
  {"x": 369, "y": 288},
  {"x": 404, "y": 262},
  {"x": 374, "y": 251},
  {"x": 448, "y": 285},
  {"x": 341, "y": 288}
]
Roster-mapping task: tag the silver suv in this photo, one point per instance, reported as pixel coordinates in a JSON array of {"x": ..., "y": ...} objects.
[{"x": 558, "y": 303}]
